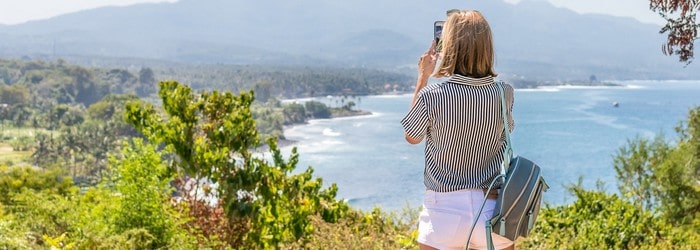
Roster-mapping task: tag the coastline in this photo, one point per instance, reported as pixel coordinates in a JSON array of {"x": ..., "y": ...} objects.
[
  {"x": 551, "y": 87},
  {"x": 284, "y": 142}
]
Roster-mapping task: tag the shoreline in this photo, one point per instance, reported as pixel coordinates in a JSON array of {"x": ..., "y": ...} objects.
[{"x": 284, "y": 142}]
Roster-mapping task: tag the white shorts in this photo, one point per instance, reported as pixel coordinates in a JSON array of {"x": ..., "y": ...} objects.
[{"x": 446, "y": 219}]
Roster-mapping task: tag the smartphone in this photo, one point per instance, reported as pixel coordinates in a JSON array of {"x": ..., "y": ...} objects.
[{"x": 437, "y": 33}]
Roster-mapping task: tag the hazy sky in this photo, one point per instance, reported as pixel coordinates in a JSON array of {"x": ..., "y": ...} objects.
[
  {"x": 638, "y": 9},
  {"x": 18, "y": 11}
]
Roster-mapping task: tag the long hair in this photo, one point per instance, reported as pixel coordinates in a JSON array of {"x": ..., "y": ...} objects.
[{"x": 467, "y": 46}]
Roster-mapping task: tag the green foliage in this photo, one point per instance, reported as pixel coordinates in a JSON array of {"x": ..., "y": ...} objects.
[
  {"x": 664, "y": 177},
  {"x": 269, "y": 120},
  {"x": 132, "y": 239},
  {"x": 147, "y": 82},
  {"x": 201, "y": 131},
  {"x": 53, "y": 94},
  {"x": 294, "y": 113},
  {"x": 83, "y": 147},
  {"x": 110, "y": 113},
  {"x": 16, "y": 179},
  {"x": 12, "y": 236},
  {"x": 143, "y": 187},
  {"x": 374, "y": 229},
  {"x": 43, "y": 213},
  {"x": 37, "y": 216},
  {"x": 14, "y": 96},
  {"x": 212, "y": 134},
  {"x": 317, "y": 109},
  {"x": 58, "y": 242},
  {"x": 287, "y": 82},
  {"x": 636, "y": 164},
  {"x": 596, "y": 220},
  {"x": 22, "y": 143},
  {"x": 284, "y": 203}
]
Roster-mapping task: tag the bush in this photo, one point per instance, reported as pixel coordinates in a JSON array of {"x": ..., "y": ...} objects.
[
  {"x": 143, "y": 187},
  {"x": 596, "y": 220},
  {"x": 375, "y": 229},
  {"x": 23, "y": 143},
  {"x": 14, "y": 179},
  {"x": 664, "y": 177}
]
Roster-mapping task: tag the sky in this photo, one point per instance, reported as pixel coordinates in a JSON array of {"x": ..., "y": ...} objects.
[
  {"x": 638, "y": 9},
  {"x": 19, "y": 11}
]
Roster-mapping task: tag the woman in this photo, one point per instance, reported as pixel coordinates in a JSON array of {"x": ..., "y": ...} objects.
[{"x": 462, "y": 122}]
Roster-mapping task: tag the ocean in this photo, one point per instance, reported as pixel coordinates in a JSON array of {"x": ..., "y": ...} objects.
[{"x": 572, "y": 132}]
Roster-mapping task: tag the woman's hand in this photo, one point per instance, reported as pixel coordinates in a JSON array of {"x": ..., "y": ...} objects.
[{"x": 426, "y": 66}]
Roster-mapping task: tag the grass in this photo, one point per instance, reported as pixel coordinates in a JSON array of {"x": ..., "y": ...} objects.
[
  {"x": 11, "y": 157},
  {"x": 9, "y": 134}
]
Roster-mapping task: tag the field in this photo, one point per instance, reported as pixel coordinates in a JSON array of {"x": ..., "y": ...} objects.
[
  {"x": 10, "y": 157},
  {"x": 10, "y": 137}
]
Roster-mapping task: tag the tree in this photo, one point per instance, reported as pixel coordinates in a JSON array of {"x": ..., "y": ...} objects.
[
  {"x": 142, "y": 183},
  {"x": 682, "y": 26},
  {"x": 317, "y": 109},
  {"x": 294, "y": 113},
  {"x": 664, "y": 177},
  {"x": 593, "y": 78},
  {"x": 14, "y": 95},
  {"x": 45, "y": 152},
  {"x": 348, "y": 106},
  {"x": 110, "y": 110},
  {"x": 263, "y": 91},
  {"x": 212, "y": 135},
  {"x": 147, "y": 82}
]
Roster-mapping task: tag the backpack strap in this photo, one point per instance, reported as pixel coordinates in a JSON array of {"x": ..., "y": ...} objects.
[
  {"x": 508, "y": 152},
  {"x": 507, "y": 156}
]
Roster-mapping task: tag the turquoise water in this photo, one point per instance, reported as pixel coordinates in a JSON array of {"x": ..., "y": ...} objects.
[{"x": 571, "y": 132}]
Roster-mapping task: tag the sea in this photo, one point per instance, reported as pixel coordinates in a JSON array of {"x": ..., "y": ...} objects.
[{"x": 572, "y": 132}]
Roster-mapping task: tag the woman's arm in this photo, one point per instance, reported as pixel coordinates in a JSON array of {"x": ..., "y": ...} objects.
[{"x": 426, "y": 66}]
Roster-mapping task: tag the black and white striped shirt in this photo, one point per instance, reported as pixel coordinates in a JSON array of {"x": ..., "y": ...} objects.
[{"x": 462, "y": 122}]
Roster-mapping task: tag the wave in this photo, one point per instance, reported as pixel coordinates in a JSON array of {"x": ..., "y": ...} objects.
[
  {"x": 391, "y": 96},
  {"x": 557, "y": 88},
  {"x": 299, "y": 100},
  {"x": 539, "y": 89},
  {"x": 330, "y": 132},
  {"x": 630, "y": 86},
  {"x": 590, "y": 87}
]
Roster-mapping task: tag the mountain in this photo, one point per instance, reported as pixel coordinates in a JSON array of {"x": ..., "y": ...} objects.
[{"x": 534, "y": 39}]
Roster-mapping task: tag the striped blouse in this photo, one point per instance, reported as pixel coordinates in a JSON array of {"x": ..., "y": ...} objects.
[{"x": 462, "y": 122}]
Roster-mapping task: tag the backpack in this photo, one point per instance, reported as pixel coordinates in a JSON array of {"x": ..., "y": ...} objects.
[{"x": 519, "y": 199}]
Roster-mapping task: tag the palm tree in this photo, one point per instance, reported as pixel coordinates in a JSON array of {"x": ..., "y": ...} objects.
[{"x": 45, "y": 151}]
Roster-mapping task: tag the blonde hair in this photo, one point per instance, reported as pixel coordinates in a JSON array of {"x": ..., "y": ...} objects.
[{"x": 467, "y": 46}]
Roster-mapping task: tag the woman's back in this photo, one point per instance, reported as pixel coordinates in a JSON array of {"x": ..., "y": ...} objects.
[{"x": 464, "y": 131}]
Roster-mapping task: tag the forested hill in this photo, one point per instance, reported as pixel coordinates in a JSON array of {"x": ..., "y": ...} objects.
[
  {"x": 285, "y": 82},
  {"x": 54, "y": 82},
  {"x": 52, "y": 94},
  {"x": 534, "y": 39}
]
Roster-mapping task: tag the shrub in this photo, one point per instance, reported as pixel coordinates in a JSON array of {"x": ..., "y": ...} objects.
[
  {"x": 143, "y": 187},
  {"x": 596, "y": 220}
]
